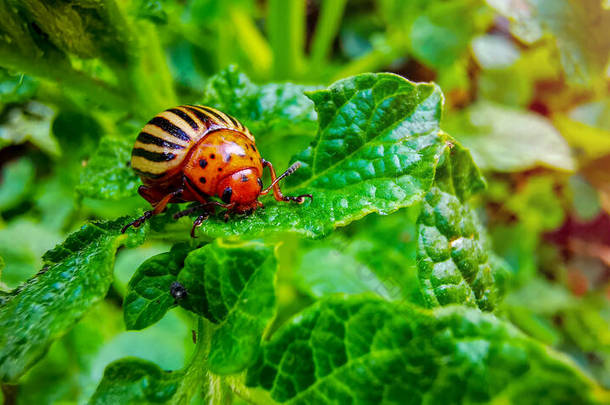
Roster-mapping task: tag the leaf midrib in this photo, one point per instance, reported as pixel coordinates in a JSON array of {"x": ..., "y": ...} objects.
[{"x": 317, "y": 175}]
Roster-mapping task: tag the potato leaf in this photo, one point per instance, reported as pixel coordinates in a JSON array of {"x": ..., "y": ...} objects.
[
  {"x": 135, "y": 381},
  {"x": 148, "y": 295},
  {"x": 453, "y": 255},
  {"x": 272, "y": 109},
  {"x": 107, "y": 175},
  {"x": 506, "y": 139},
  {"x": 233, "y": 285},
  {"x": 77, "y": 275},
  {"x": 579, "y": 27},
  {"x": 361, "y": 349}
]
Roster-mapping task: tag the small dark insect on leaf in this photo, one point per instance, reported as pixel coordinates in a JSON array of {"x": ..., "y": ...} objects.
[
  {"x": 194, "y": 336},
  {"x": 178, "y": 291}
]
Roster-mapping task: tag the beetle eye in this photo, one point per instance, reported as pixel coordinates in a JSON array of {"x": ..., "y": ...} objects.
[{"x": 226, "y": 195}]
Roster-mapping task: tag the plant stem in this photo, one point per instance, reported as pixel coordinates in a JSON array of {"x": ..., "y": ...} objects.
[
  {"x": 149, "y": 73},
  {"x": 286, "y": 29},
  {"x": 331, "y": 14},
  {"x": 195, "y": 372},
  {"x": 371, "y": 62},
  {"x": 252, "y": 43}
]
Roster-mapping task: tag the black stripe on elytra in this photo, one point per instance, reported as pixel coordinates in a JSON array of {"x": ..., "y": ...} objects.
[
  {"x": 151, "y": 139},
  {"x": 194, "y": 187},
  {"x": 187, "y": 118},
  {"x": 214, "y": 114},
  {"x": 152, "y": 156},
  {"x": 167, "y": 126},
  {"x": 148, "y": 174},
  {"x": 203, "y": 117},
  {"x": 235, "y": 122}
]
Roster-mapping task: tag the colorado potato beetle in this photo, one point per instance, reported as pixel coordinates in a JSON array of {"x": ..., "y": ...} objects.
[{"x": 192, "y": 153}]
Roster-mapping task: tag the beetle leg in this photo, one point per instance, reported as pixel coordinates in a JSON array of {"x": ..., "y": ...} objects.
[
  {"x": 277, "y": 192},
  {"x": 158, "y": 208},
  {"x": 198, "y": 223},
  {"x": 210, "y": 204},
  {"x": 189, "y": 210}
]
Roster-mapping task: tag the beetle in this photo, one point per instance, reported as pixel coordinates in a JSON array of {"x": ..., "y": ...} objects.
[
  {"x": 178, "y": 291},
  {"x": 193, "y": 153}
]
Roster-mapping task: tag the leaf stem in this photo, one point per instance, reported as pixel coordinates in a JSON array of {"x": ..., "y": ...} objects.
[
  {"x": 252, "y": 43},
  {"x": 287, "y": 35},
  {"x": 372, "y": 61},
  {"x": 326, "y": 30},
  {"x": 195, "y": 372}
]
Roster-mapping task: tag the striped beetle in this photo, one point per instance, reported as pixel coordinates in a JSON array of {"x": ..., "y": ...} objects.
[{"x": 193, "y": 153}]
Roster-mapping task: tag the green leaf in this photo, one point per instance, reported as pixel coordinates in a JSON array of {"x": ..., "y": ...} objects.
[
  {"x": 148, "y": 295},
  {"x": 438, "y": 38},
  {"x": 135, "y": 381},
  {"x": 376, "y": 150},
  {"x": 16, "y": 87},
  {"x": 233, "y": 285},
  {"x": 78, "y": 134},
  {"x": 506, "y": 139},
  {"x": 22, "y": 243},
  {"x": 579, "y": 27},
  {"x": 271, "y": 109},
  {"x": 17, "y": 180},
  {"x": 82, "y": 28},
  {"x": 361, "y": 349},
  {"x": 76, "y": 276},
  {"x": 107, "y": 175},
  {"x": 327, "y": 270},
  {"x": 430, "y": 30},
  {"x": 30, "y": 123},
  {"x": 537, "y": 204},
  {"x": 453, "y": 252}
]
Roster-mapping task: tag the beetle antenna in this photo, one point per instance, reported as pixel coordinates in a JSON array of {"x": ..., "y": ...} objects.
[{"x": 287, "y": 173}]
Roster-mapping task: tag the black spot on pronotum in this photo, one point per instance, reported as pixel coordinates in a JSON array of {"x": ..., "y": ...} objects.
[
  {"x": 220, "y": 169},
  {"x": 226, "y": 195},
  {"x": 178, "y": 291},
  {"x": 203, "y": 163},
  {"x": 260, "y": 182},
  {"x": 202, "y": 180},
  {"x": 212, "y": 156},
  {"x": 227, "y": 158},
  {"x": 244, "y": 178}
]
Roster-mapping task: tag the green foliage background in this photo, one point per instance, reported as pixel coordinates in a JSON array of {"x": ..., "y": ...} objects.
[{"x": 456, "y": 250}]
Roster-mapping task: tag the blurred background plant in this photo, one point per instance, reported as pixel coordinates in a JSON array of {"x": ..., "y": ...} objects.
[{"x": 527, "y": 90}]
